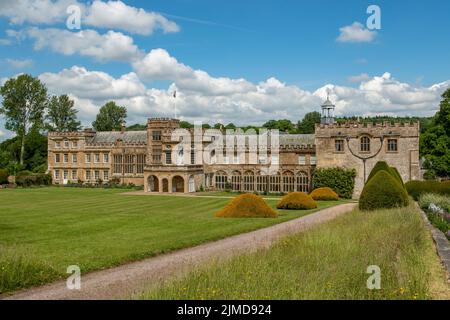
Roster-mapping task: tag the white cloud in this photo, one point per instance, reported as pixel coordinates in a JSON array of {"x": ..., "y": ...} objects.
[
  {"x": 94, "y": 85},
  {"x": 35, "y": 11},
  {"x": 118, "y": 15},
  {"x": 356, "y": 33},
  {"x": 159, "y": 65},
  {"x": 249, "y": 104},
  {"x": 110, "y": 14},
  {"x": 359, "y": 78},
  {"x": 102, "y": 47},
  {"x": 20, "y": 64}
]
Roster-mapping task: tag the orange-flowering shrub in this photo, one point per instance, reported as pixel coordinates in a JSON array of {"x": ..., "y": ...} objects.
[
  {"x": 247, "y": 206},
  {"x": 324, "y": 193},
  {"x": 297, "y": 201}
]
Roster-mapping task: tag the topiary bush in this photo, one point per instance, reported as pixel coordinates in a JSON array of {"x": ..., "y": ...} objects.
[
  {"x": 380, "y": 165},
  {"x": 297, "y": 201},
  {"x": 341, "y": 180},
  {"x": 247, "y": 206},
  {"x": 382, "y": 191},
  {"x": 396, "y": 174},
  {"x": 324, "y": 193},
  {"x": 3, "y": 176},
  {"x": 415, "y": 188}
]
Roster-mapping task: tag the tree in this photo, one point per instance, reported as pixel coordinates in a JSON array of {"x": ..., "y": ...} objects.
[
  {"x": 62, "y": 115},
  {"x": 435, "y": 141},
  {"x": 24, "y": 101},
  {"x": 111, "y": 116},
  {"x": 186, "y": 125},
  {"x": 283, "y": 125},
  {"x": 307, "y": 125},
  {"x": 137, "y": 127}
]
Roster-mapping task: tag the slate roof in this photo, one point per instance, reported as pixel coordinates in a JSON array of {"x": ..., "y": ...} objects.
[
  {"x": 297, "y": 139},
  {"x": 112, "y": 136}
]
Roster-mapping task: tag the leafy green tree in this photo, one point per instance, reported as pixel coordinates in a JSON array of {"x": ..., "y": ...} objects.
[
  {"x": 24, "y": 101},
  {"x": 218, "y": 126},
  {"x": 230, "y": 126},
  {"x": 284, "y": 125},
  {"x": 435, "y": 141},
  {"x": 186, "y": 125},
  {"x": 137, "y": 127},
  {"x": 307, "y": 125},
  {"x": 62, "y": 115},
  {"x": 111, "y": 116}
]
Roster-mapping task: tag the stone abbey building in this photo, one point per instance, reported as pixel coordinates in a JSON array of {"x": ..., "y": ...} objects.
[{"x": 147, "y": 157}]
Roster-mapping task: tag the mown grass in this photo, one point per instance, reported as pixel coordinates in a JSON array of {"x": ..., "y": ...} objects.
[
  {"x": 327, "y": 262},
  {"x": 44, "y": 230}
]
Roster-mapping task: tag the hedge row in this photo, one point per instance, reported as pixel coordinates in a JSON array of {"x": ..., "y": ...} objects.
[
  {"x": 417, "y": 188},
  {"x": 3, "y": 176},
  {"x": 340, "y": 180},
  {"x": 38, "y": 179}
]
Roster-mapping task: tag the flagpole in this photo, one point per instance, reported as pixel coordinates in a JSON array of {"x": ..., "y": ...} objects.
[{"x": 175, "y": 103}]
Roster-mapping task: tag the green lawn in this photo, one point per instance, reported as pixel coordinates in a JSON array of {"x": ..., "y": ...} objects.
[
  {"x": 327, "y": 262},
  {"x": 44, "y": 230}
]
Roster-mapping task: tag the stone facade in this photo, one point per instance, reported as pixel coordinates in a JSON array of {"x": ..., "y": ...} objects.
[{"x": 151, "y": 158}]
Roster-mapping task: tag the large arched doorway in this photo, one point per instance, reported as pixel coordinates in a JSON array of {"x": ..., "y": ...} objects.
[
  {"x": 153, "y": 184},
  {"x": 165, "y": 185},
  {"x": 177, "y": 184}
]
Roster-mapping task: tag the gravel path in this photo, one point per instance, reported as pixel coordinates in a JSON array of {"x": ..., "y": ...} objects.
[{"x": 129, "y": 279}]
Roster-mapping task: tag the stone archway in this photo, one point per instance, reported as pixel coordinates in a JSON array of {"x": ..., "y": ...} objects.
[
  {"x": 165, "y": 185},
  {"x": 153, "y": 184},
  {"x": 177, "y": 184}
]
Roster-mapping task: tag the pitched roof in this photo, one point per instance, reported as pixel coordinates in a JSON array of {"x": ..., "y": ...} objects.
[{"x": 113, "y": 136}]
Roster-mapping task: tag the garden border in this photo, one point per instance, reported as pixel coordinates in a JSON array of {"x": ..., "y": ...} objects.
[{"x": 441, "y": 242}]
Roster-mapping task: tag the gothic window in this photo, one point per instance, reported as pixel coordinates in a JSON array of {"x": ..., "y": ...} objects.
[
  {"x": 156, "y": 135},
  {"x": 302, "y": 182},
  {"x": 274, "y": 183},
  {"x": 249, "y": 181},
  {"x": 236, "y": 181},
  {"x": 288, "y": 181},
  {"x": 221, "y": 180}
]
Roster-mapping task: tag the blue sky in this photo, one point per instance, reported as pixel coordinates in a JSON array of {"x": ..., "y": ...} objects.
[{"x": 393, "y": 71}]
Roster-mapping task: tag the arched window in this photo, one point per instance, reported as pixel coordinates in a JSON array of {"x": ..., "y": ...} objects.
[
  {"x": 261, "y": 182},
  {"x": 249, "y": 181},
  {"x": 221, "y": 180},
  {"x": 275, "y": 183},
  {"x": 365, "y": 144},
  {"x": 236, "y": 181},
  {"x": 302, "y": 182},
  {"x": 288, "y": 181}
]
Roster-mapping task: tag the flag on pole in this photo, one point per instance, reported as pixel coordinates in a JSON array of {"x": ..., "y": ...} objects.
[{"x": 175, "y": 93}]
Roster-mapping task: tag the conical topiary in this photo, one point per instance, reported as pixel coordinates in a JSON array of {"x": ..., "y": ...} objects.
[
  {"x": 324, "y": 194},
  {"x": 380, "y": 165},
  {"x": 382, "y": 191},
  {"x": 247, "y": 206},
  {"x": 297, "y": 201},
  {"x": 397, "y": 175}
]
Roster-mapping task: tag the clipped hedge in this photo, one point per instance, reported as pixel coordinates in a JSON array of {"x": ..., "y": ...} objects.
[
  {"x": 247, "y": 206},
  {"x": 382, "y": 191},
  {"x": 397, "y": 175},
  {"x": 39, "y": 179},
  {"x": 324, "y": 194},
  {"x": 380, "y": 165},
  {"x": 341, "y": 180},
  {"x": 3, "y": 176},
  {"x": 297, "y": 201},
  {"x": 416, "y": 188}
]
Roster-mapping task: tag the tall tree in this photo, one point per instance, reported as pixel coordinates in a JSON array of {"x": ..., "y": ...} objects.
[
  {"x": 435, "y": 141},
  {"x": 307, "y": 125},
  {"x": 62, "y": 115},
  {"x": 111, "y": 116},
  {"x": 24, "y": 101}
]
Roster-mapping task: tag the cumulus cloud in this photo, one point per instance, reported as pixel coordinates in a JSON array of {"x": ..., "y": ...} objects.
[
  {"x": 102, "y": 47},
  {"x": 242, "y": 103},
  {"x": 159, "y": 65},
  {"x": 20, "y": 64},
  {"x": 356, "y": 32},
  {"x": 359, "y": 78},
  {"x": 118, "y": 15},
  {"x": 110, "y": 14}
]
